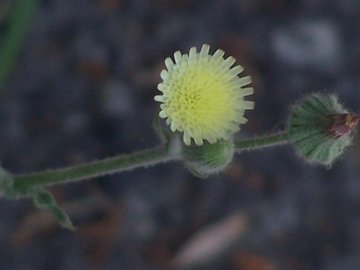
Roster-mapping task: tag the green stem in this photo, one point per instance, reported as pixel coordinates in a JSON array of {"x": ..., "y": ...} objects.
[
  {"x": 24, "y": 183},
  {"x": 261, "y": 142}
]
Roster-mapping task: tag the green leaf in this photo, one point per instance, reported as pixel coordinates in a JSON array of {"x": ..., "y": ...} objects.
[
  {"x": 43, "y": 199},
  {"x": 23, "y": 11}
]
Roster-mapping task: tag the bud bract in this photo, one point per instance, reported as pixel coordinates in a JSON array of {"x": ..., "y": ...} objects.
[
  {"x": 320, "y": 128},
  {"x": 208, "y": 158}
]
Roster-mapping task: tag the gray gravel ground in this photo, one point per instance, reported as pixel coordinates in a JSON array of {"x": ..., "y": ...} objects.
[{"x": 83, "y": 89}]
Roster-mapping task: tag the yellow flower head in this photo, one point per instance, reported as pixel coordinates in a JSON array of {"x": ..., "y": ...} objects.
[{"x": 202, "y": 95}]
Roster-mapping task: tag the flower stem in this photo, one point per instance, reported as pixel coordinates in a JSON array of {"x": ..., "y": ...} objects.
[
  {"x": 261, "y": 142},
  {"x": 25, "y": 182}
]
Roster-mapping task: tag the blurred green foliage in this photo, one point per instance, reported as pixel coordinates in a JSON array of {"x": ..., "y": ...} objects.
[{"x": 21, "y": 13}]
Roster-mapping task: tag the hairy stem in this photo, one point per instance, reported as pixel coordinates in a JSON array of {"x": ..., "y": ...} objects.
[
  {"x": 93, "y": 169},
  {"x": 261, "y": 142},
  {"x": 24, "y": 183}
]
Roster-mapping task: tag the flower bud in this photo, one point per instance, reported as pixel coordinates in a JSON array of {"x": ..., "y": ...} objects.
[
  {"x": 320, "y": 128},
  {"x": 208, "y": 158}
]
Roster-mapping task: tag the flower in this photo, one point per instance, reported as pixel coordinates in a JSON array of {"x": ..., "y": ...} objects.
[{"x": 202, "y": 95}]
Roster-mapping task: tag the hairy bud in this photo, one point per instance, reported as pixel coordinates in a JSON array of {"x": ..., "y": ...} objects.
[
  {"x": 208, "y": 158},
  {"x": 320, "y": 128}
]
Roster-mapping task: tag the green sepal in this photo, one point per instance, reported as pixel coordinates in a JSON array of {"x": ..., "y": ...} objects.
[
  {"x": 208, "y": 158},
  {"x": 310, "y": 129},
  {"x": 161, "y": 131},
  {"x": 43, "y": 199}
]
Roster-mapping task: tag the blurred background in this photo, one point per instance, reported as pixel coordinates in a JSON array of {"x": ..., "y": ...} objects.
[{"x": 77, "y": 80}]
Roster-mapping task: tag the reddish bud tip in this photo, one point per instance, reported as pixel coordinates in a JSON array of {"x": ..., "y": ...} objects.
[{"x": 342, "y": 124}]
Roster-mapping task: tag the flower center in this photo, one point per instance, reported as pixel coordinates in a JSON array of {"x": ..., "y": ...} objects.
[{"x": 197, "y": 98}]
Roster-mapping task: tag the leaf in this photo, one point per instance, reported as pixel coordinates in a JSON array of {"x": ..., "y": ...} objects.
[
  {"x": 43, "y": 199},
  {"x": 23, "y": 11}
]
